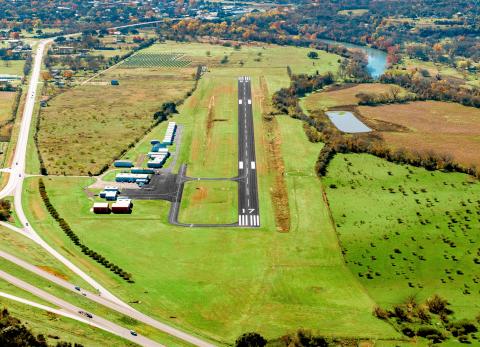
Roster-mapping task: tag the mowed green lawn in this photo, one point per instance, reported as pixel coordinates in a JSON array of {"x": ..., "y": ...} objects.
[
  {"x": 207, "y": 202},
  {"x": 407, "y": 231},
  {"x": 221, "y": 282}
]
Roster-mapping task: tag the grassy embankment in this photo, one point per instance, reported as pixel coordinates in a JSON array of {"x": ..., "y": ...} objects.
[
  {"x": 222, "y": 282},
  {"x": 17, "y": 245}
]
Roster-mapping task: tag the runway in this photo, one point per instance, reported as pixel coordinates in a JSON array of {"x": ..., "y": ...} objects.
[{"x": 248, "y": 209}]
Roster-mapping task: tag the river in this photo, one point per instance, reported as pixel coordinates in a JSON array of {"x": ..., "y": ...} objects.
[{"x": 377, "y": 59}]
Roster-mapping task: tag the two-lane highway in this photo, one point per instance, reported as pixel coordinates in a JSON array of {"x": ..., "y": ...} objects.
[{"x": 248, "y": 208}]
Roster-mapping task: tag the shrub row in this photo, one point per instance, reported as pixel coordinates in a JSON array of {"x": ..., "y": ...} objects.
[
  {"x": 76, "y": 240},
  {"x": 337, "y": 142}
]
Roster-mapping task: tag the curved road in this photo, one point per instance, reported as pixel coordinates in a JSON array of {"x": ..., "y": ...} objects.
[{"x": 14, "y": 187}]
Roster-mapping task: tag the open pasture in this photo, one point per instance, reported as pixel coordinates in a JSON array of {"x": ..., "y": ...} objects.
[
  {"x": 441, "y": 127},
  {"x": 78, "y": 135},
  {"x": 406, "y": 231}
]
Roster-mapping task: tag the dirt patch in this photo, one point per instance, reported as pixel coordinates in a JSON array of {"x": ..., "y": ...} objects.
[
  {"x": 209, "y": 125},
  {"x": 276, "y": 166},
  {"x": 53, "y": 272},
  {"x": 200, "y": 194},
  {"x": 140, "y": 160}
]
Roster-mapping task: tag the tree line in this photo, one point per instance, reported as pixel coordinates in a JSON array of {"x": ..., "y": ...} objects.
[
  {"x": 318, "y": 128},
  {"x": 428, "y": 87},
  {"x": 76, "y": 240}
]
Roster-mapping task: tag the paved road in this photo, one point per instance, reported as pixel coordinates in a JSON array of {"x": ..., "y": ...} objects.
[
  {"x": 248, "y": 208},
  {"x": 14, "y": 187},
  {"x": 17, "y": 173},
  {"x": 98, "y": 298},
  {"x": 73, "y": 311}
]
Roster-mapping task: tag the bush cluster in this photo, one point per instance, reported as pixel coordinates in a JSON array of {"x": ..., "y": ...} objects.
[
  {"x": 414, "y": 319},
  {"x": 76, "y": 240}
]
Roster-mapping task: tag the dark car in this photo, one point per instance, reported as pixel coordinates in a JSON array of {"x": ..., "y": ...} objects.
[{"x": 133, "y": 333}]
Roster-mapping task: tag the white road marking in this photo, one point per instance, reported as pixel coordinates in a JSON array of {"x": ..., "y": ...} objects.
[
  {"x": 251, "y": 220},
  {"x": 252, "y": 164},
  {"x": 240, "y": 219}
]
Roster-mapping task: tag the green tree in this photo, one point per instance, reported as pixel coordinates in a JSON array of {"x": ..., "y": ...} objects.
[
  {"x": 251, "y": 339},
  {"x": 312, "y": 55}
]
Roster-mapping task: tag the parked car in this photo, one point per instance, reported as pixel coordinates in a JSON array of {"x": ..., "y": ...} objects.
[{"x": 133, "y": 333}]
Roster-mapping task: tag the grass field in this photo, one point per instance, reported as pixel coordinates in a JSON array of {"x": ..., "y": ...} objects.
[
  {"x": 431, "y": 126},
  {"x": 341, "y": 97},
  {"x": 12, "y": 67},
  {"x": 77, "y": 135},
  {"x": 222, "y": 282},
  {"x": 209, "y": 202},
  {"x": 6, "y": 103},
  {"x": 408, "y": 232},
  {"x": 56, "y": 328},
  {"x": 13, "y": 242}
]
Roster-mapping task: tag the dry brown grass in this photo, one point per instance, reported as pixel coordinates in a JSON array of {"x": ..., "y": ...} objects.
[
  {"x": 276, "y": 166},
  {"x": 53, "y": 272},
  {"x": 342, "y": 96},
  {"x": 433, "y": 126},
  {"x": 6, "y": 103},
  {"x": 88, "y": 126}
]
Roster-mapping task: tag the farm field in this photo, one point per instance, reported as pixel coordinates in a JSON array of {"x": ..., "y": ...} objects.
[
  {"x": 407, "y": 232},
  {"x": 205, "y": 202},
  {"x": 221, "y": 282},
  {"x": 335, "y": 97},
  {"x": 441, "y": 127},
  {"x": 251, "y": 55},
  {"x": 148, "y": 59},
  {"x": 78, "y": 136}
]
